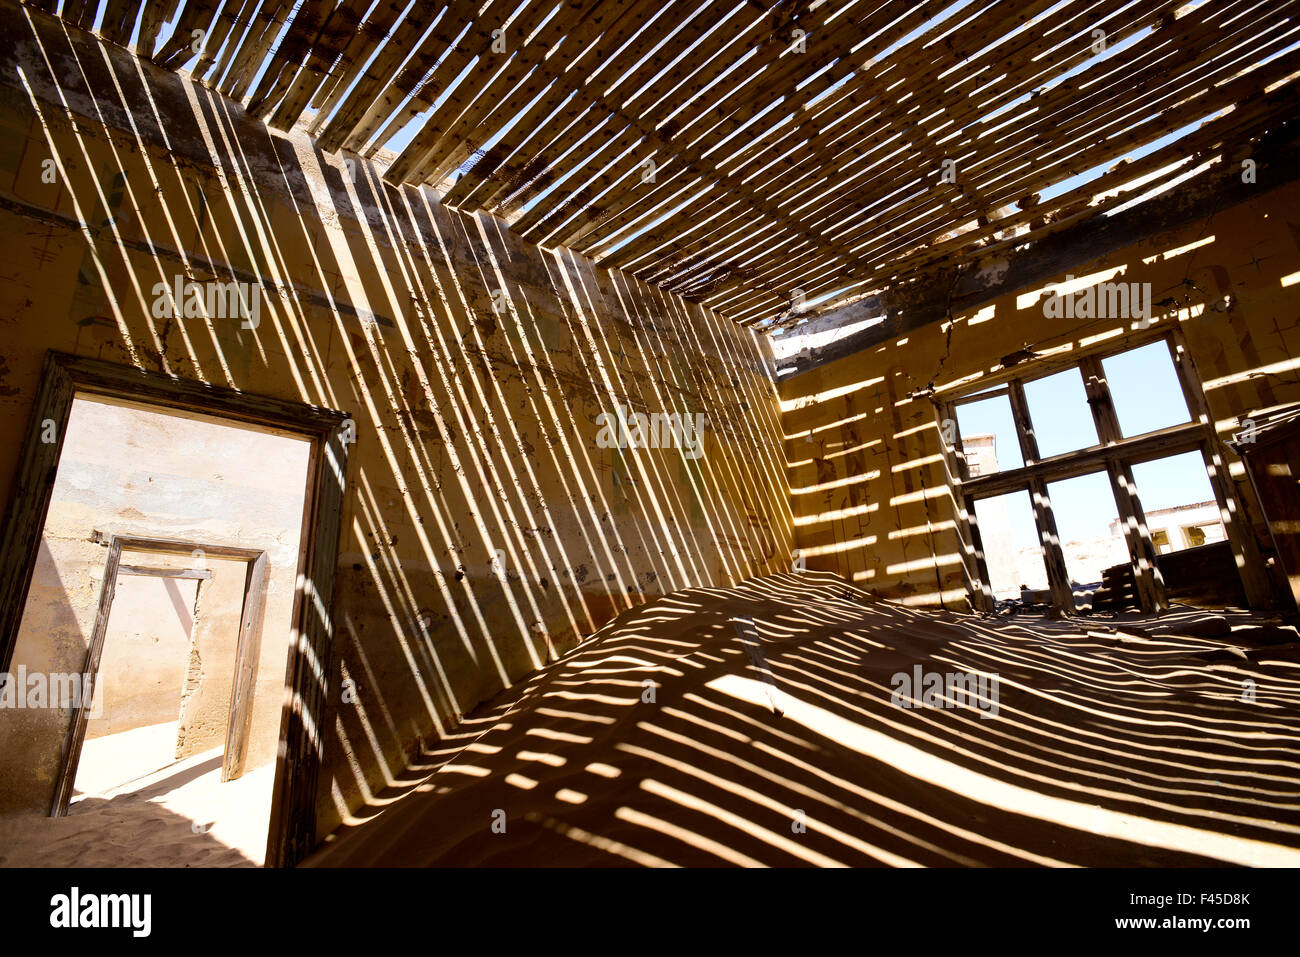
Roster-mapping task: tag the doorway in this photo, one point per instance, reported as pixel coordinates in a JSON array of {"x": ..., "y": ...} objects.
[{"x": 170, "y": 546}]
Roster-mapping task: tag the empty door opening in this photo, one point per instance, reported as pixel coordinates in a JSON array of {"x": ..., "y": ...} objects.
[{"x": 165, "y": 588}]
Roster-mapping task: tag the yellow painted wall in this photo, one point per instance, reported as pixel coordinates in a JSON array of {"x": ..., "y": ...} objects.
[
  {"x": 870, "y": 491},
  {"x": 476, "y": 426}
]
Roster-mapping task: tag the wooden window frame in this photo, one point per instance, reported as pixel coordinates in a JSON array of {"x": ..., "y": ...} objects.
[
  {"x": 292, "y": 833},
  {"x": 1115, "y": 455}
]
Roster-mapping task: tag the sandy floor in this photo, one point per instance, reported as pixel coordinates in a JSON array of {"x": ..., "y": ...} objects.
[
  {"x": 662, "y": 741},
  {"x": 115, "y": 760},
  {"x": 178, "y": 816}
]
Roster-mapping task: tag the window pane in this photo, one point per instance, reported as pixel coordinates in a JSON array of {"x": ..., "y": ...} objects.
[
  {"x": 1058, "y": 407},
  {"x": 1092, "y": 538},
  {"x": 988, "y": 435},
  {"x": 1011, "y": 549},
  {"x": 1145, "y": 389},
  {"x": 1179, "y": 502}
]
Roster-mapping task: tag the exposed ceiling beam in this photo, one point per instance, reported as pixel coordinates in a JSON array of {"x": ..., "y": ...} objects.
[
  {"x": 947, "y": 290},
  {"x": 746, "y": 156}
]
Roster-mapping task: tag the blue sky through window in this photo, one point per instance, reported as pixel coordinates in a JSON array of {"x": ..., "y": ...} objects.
[{"x": 1147, "y": 396}]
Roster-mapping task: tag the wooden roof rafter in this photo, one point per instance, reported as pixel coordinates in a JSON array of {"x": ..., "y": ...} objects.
[{"x": 797, "y": 145}]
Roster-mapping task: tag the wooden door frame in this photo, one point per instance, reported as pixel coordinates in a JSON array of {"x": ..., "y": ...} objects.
[
  {"x": 292, "y": 833},
  {"x": 247, "y": 647}
]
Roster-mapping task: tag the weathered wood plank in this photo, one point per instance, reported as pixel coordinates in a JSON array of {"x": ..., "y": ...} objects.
[
  {"x": 986, "y": 279},
  {"x": 247, "y": 649}
]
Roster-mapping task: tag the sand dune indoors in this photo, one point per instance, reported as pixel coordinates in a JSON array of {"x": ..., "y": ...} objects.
[{"x": 760, "y": 725}]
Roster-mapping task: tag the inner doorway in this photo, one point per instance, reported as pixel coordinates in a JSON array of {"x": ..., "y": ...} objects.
[{"x": 151, "y": 639}]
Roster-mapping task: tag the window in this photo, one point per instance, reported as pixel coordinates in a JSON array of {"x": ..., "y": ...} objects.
[
  {"x": 1196, "y": 535},
  {"x": 1087, "y": 522},
  {"x": 1058, "y": 406},
  {"x": 1108, "y": 447},
  {"x": 1011, "y": 548},
  {"x": 1178, "y": 500},
  {"x": 1145, "y": 390},
  {"x": 988, "y": 431}
]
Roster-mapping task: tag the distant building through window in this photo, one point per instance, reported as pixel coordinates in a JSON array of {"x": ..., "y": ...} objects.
[{"x": 1172, "y": 531}]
